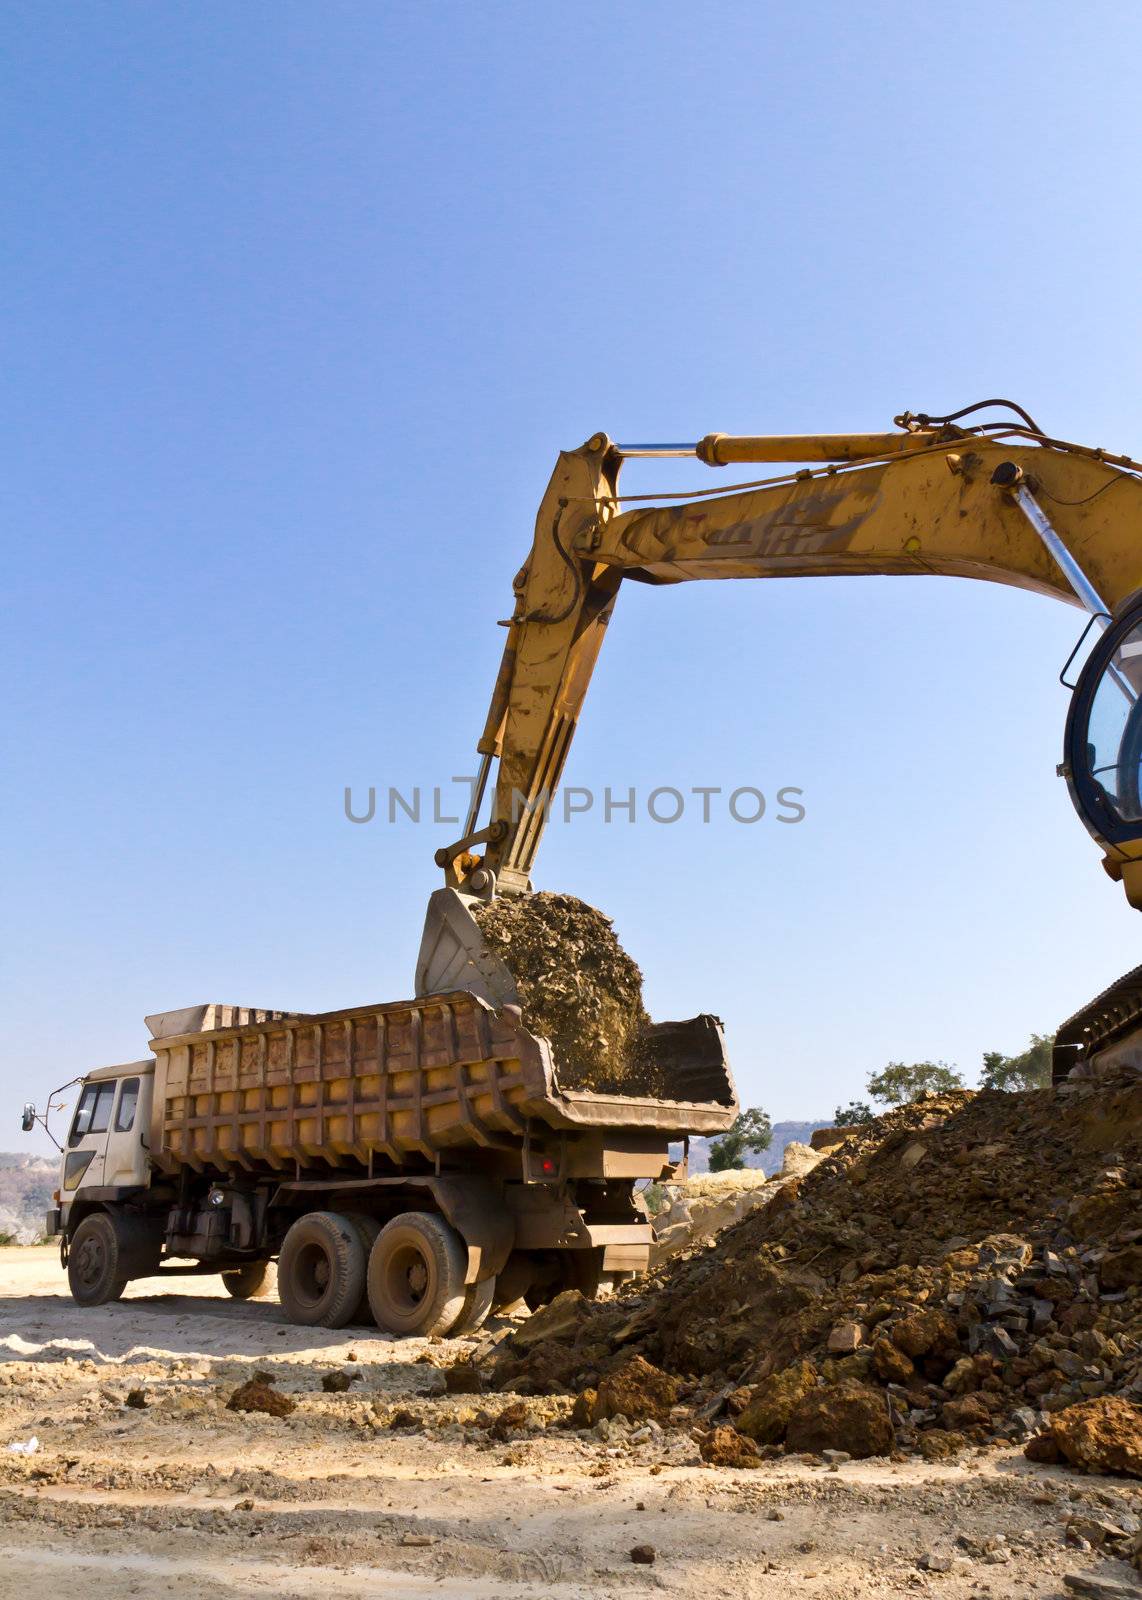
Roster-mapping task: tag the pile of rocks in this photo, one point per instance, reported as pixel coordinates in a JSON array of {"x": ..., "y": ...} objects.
[
  {"x": 965, "y": 1269},
  {"x": 699, "y": 1209}
]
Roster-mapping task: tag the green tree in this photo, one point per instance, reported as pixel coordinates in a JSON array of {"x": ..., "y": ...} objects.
[
  {"x": 856, "y": 1112},
  {"x": 898, "y": 1083},
  {"x": 751, "y": 1131},
  {"x": 1031, "y": 1070}
]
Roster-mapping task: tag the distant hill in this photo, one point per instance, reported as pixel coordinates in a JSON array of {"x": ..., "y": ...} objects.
[
  {"x": 26, "y": 1184},
  {"x": 769, "y": 1161}
]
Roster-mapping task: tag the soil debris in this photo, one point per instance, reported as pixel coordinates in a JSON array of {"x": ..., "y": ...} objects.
[
  {"x": 578, "y": 988},
  {"x": 259, "y": 1394},
  {"x": 882, "y": 1303},
  {"x": 726, "y": 1447}
]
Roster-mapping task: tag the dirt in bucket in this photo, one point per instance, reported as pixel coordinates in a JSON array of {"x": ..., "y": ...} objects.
[{"x": 578, "y": 988}]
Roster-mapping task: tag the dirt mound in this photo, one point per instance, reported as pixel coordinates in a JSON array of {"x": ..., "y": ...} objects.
[
  {"x": 259, "y": 1394},
  {"x": 972, "y": 1259},
  {"x": 577, "y": 986}
]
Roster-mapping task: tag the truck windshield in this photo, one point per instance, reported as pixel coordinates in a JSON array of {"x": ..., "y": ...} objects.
[{"x": 93, "y": 1113}]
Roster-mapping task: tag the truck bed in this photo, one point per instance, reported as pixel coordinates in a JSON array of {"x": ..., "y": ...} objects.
[{"x": 402, "y": 1082}]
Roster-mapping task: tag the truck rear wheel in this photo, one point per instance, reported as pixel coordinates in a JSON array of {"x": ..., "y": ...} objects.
[
  {"x": 321, "y": 1270},
  {"x": 96, "y": 1271},
  {"x": 416, "y": 1275},
  {"x": 368, "y": 1229},
  {"x": 477, "y": 1303},
  {"x": 255, "y": 1281}
]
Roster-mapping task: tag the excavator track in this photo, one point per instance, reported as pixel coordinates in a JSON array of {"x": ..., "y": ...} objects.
[{"x": 1103, "y": 1021}]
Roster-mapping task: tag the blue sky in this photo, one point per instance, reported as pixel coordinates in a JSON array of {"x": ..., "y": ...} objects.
[{"x": 301, "y": 301}]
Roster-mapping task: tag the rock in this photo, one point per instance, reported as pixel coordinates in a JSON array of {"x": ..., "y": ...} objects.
[
  {"x": 968, "y": 1412},
  {"x": 1006, "y": 1251},
  {"x": 1101, "y": 1435},
  {"x": 463, "y": 1377},
  {"x": 913, "y": 1155},
  {"x": 136, "y": 1399},
  {"x": 738, "y": 1400},
  {"x": 1095, "y": 1587},
  {"x": 774, "y": 1400},
  {"x": 511, "y": 1418},
  {"x": 845, "y": 1338},
  {"x": 726, "y": 1447},
  {"x": 1121, "y": 1269},
  {"x": 556, "y": 1320},
  {"x": 925, "y": 1333},
  {"x": 891, "y": 1365},
  {"x": 583, "y": 1411},
  {"x": 1096, "y": 1532},
  {"x": 935, "y": 1562},
  {"x": 638, "y": 1391},
  {"x": 963, "y": 1377},
  {"x": 827, "y": 1139},
  {"x": 847, "y": 1416},
  {"x": 937, "y": 1444},
  {"x": 643, "y": 1555},
  {"x": 797, "y": 1159},
  {"x": 1043, "y": 1450},
  {"x": 260, "y": 1395},
  {"x": 337, "y": 1382}
]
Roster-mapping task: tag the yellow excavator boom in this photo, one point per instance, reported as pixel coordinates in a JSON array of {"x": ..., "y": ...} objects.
[{"x": 1007, "y": 505}]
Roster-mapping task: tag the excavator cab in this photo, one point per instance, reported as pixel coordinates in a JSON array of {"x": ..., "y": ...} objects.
[{"x": 1103, "y": 741}]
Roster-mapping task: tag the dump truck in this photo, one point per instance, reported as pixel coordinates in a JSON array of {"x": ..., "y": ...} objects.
[{"x": 413, "y": 1164}]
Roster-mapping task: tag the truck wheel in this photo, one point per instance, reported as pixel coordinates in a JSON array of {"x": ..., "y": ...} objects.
[
  {"x": 367, "y": 1230},
  {"x": 255, "y": 1281},
  {"x": 321, "y": 1270},
  {"x": 95, "y": 1268},
  {"x": 416, "y": 1275},
  {"x": 477, "y": 1303}
]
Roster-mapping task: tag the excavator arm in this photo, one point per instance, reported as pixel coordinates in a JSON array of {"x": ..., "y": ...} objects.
[{"x": 1009, "y": 506}]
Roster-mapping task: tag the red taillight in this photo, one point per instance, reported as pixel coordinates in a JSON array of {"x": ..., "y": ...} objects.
[{"x": 548, "y": 1167}]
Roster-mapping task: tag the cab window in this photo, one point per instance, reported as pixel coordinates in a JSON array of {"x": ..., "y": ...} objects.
[
  {"x": 93, "y": 1113},
  {"x": 128, "y": 1100}
]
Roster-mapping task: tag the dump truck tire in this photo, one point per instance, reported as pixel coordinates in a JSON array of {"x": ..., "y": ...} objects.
[
  {"x": 321, "y": 1270},
  {"x": 477, "y": 1304},
  {"x": 368, "y": 1229},
  {"x": 96, "y": 1269},
  {"x": 416, "y": 1275},
  {"x": 252, "y": 1282}
]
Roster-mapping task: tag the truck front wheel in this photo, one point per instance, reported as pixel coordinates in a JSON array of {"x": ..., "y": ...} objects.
[
  {"x": 416, "y": 1275},
  {"x": 95, "y": 1267},
  {"x": 321, "y": 1270}
]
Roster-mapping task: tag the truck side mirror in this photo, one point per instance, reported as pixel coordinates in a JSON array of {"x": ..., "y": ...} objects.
[{"x": 28, "y": 1120}]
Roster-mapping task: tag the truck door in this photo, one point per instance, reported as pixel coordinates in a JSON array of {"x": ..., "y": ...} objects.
[
  {"x": 126, "y": 1159},
  {"x": 84, "y": 1158}
]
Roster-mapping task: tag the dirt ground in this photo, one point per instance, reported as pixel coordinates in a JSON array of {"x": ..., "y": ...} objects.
[{"x": 181, "y": 1497}]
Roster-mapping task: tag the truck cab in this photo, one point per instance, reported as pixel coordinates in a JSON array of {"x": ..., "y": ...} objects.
[{"x": 105, "y": 1155}]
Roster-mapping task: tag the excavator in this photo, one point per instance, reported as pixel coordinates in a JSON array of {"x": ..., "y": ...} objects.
[
  {"x": 982, "y": 493},
  {"x": 424, "y": 1159}
]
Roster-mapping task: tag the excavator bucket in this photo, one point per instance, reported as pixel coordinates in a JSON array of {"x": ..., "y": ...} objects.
[
  {"x": 689, "y": 1057},
  {"x": 453, "y": 954}
]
